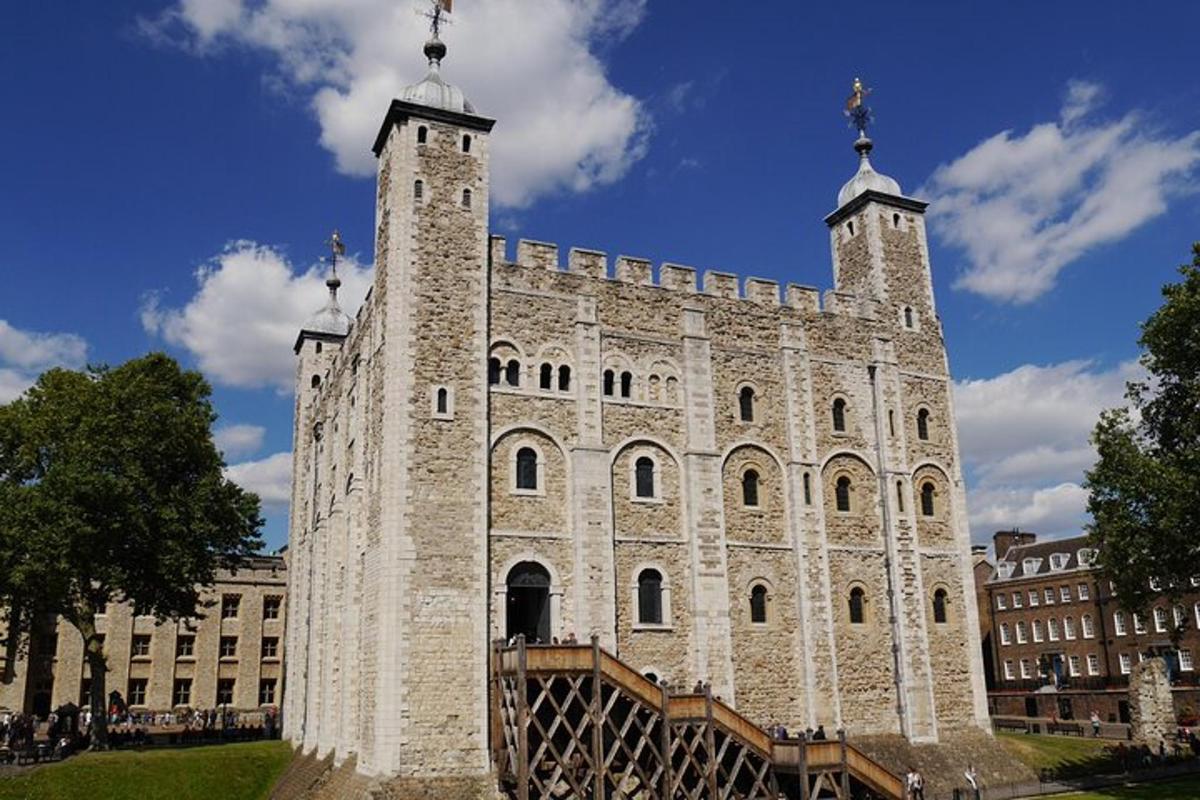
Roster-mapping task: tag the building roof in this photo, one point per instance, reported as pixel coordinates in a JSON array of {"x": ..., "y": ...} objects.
[
  {"x": 433, "y": 91},
  {"x": 866, "y": 179},
  {"x": 1033, "y": 560}
]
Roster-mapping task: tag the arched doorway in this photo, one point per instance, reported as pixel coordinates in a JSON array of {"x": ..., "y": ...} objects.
[{"x": 527, "y": 602}]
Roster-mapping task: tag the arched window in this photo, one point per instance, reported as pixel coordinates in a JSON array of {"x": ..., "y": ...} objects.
[
  {"x": 750, "y": 488},
  {"x": 900, "y": 496},
  {"x": 908, "y": 317},
  {"x": 422, "y": 134},
  {"x": 626, "y": 384},
  {"x": 564, "y": 378},
  {"x": 758, "y": 604},
  {"x": 527, "y": 472},
  {"x": 608, "y": 382},
  {"x": 650, "y": 597},
  {"x": 493, "y": 371},
  {"x": 443, "y": 400},
  {"x": 842, "y": 493},
  {"x": 927, "y": 499},
  {"x": 939, "y": 606},
  {"x": 857, "y": 601},
  {"x": 318, "y": 347},
  {"x": 923, "y": 424},
  {"x": 466, "y": 201},
  {"x": 418, "y": 189},
  {"x": 643, "y": 477},
  {"x": 746, "y": 404},
  {"x": 895, "y": 220},
  {"x": 839, "y": 414},
  {"x": 547, "y": 377},
  {"x": 807, "y": 490},
  {"x": 512, "y": 373},
  {"x": 316, "y": 381},
  {"x": 466, "y": 143}
]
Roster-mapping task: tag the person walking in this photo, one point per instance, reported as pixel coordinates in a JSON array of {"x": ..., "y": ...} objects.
[
  {"x": 1095, "y": 724},
  {"x": 972, "y": 779}
]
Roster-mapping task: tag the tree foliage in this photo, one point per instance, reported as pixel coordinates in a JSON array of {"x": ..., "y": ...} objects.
[
  {"x": 1145, "y": 486},
  {"x": 111, "y": 490}
]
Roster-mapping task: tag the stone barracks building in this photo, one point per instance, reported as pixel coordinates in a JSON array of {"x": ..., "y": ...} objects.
[{"x": 723, "y": 483}]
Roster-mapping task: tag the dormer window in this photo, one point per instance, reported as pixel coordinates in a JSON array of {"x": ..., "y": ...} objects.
[
  {"x": 1004, "y": 569},
  {"x": 1030, "y": 566},
  {"x": 1058, "y": 561},
  {"x": 1087, "y": 557}
]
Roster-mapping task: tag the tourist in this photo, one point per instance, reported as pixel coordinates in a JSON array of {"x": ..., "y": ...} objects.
[
  {"x": 820, "y": 736},
  {"x": 973, "y": 779},
  {"x": 1095, "y": 724},
  {"x": 915, "y": 784}
]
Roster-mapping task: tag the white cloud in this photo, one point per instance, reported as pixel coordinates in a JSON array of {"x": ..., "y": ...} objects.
[
  {"x": 270, "y": 478},
  {"x": 532, "y": 65},
  {"x": 243, "y": 321},
  {"x": 236, "y": 441},
  {"x": 1024, "y": 438},
  {"x": 1023, "y": 207},
  {"x": 25, "y": 354}
]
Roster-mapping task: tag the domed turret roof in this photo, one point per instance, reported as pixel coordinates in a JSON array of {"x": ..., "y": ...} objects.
[
  {"x": 866, "y": 179},
  {"x": 330, "y": 320},
  {"x": 434, "y": 92}
]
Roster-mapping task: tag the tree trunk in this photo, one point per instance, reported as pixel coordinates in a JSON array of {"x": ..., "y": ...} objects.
[{"x": 93, "y": 654}]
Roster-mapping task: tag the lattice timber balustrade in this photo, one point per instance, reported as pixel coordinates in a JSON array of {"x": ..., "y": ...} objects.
[{"x": 573, "y": 721}]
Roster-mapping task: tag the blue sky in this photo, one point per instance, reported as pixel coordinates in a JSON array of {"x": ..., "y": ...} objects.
[{"x": 169, "y": 170}]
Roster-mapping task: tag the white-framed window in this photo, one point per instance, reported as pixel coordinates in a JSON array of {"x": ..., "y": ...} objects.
[
  {"x": 1002, "y": 604},
  {"x": 1139, "y": 625},
  {"x": 1022, "y": 636},
  {"x": 1048, "y": 595},
  {"x": 1119, "y": 623},
  {"x": 1033, "y": 598},
  {"x": 651, "y": 598},
  {"x": 1086, "y": 556},
  {"x": 1058, "y": 561},
  {"x": 1004, "y": 569},
  {"x": 1073, "y": 666},
  {"x": 1017, "y": 600},
  {"x": 1180, "y": 616},
  {"x": 1025, "y": 673},
  {"x": 1064, "y": 593},
  {"x": 528, "y": 469},
  {"x": 1160, "y": 619},
  {"x": 1126, "y": 663},
  {"x": 1093, "y": 664},
  {"x": 1052, "y": 629},
  {"x": 1084, "y": 591},
  {"x": 1005, "y": 634},
  {"x": 1089, "y": 628},
  {"x": 1031, "y": 565},
  {"x": 441, "y": 402},
  {"x": 1008, "y": 670},
  {"x": 645, "y": 478},
  {"x": 1185, "y": 661},
  {"x": 1068, "y": 627},
  {"x": 1037, "y": 630}
]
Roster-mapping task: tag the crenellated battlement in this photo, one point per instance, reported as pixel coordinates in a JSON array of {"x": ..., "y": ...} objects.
[{"x": 763, "y": 292}]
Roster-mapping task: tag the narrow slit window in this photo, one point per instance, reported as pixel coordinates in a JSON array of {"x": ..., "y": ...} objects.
[
  {"x": 443, "y": 401},
  {"x": 839, "y": 415},
  {"x": 466, "y": 198},
  {"x": 512, "y": 373},
  {"x": 758, "y": 604},
  {"x": 939, "y": 606},
  {"x": 422, "y": 134},
  {"x": 746, "y": 404},
  {"x": 857, "y": 602},
  {"x": 650, "y": 597},
  {"x": 527, "y": 469},
  {"x": 626, "y": 384},
  {"x": 643, "y": 477},
  {"x": 493, "y": 371},
  {"x": 908, "y": 317},
  {"x": 900, "y": 496},
  {"x": 546, "y": 377},
  {"x": 609, "y": 378},
  {"x": 466, "y": 143},
  {"x": 750, "y": 488},
  {"x": 564, "y": 378},
  {"x": 418, "y": 189},
  {"x": 923, "y": 425},
  {"x": 927, "y": 499},
  {"x": 842, "y": 492},
  {"x": 807, "y": 489}
]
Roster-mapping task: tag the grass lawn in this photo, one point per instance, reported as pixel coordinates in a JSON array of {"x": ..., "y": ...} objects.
[
  {"x": 1065, "y": 756},
  {"x": 220, "y": 772},
  {"x": 1185, "y": 789}
]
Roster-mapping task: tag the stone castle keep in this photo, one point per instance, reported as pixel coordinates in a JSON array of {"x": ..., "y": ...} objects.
[{"x": 722, "y": 484}]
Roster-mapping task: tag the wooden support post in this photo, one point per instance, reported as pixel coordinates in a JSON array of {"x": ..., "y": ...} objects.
[
  {"x": 597, "y": 722},
  {"x": 845, "y": 769},
  {"x": 803, "y": 766},
  {"x": 494, "y": 727},
  {"x": 665, "y": 742},
  {"x": 522, "y": 723},
  {"x": 710, "y": 742}
]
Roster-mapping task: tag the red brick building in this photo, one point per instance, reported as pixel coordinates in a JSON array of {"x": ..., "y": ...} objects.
[{"x": 1056, "y": 643}]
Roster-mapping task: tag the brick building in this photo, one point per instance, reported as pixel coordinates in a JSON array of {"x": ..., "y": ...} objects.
[
  {"x": 1057, "y": 642},
  {"x": 230, "y": 656}
]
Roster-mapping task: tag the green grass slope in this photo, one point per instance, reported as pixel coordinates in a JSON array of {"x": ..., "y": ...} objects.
[
  {"x": 228, "y": 772},
  {"x": 1185, "y": 789}
]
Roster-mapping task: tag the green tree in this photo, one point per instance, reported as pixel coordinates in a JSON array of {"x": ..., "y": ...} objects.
[
  {"x": 111, "y": 490},
  {"x": 1145, "y": 486}
]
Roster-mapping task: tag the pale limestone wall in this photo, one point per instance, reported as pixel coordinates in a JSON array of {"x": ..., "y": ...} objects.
[{"x": 865, "y": 670}]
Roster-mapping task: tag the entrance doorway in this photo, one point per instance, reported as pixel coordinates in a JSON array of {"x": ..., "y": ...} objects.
[{"x": 527, "y": 602}]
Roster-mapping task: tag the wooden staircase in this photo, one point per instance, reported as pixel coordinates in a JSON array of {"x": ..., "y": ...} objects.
[{"x": 573, "y": 721}]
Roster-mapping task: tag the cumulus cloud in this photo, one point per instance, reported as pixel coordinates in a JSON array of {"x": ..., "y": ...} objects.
[
  {"x": 533, "y": 65},
  {"x": 243, "y": 320},
  {"x": 1021, "y": 207},
  {"x": 25, "y": 354},
  {"x": 236, "y": 441},
  {"x": 1024, "y": 439},
  {"x": 270, "y": 478}
]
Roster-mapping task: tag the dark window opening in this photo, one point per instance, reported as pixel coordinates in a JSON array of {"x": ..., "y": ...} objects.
[
  {"x": 466, "y": 144},
  {"x": 927, "y": 500},
  {"x": 319, "y": 348},
  {"x": 939, "y": 606},
  {"x": 626, "y": 384},
  {"x": 750, "y": 488},
  {"x": 443, "y": 401},
  {"x": 923, "y": 425},
  {"x": 891, "y": 422},
  {"x": 422, "y": 134},
  {"x": 843, "y": 493},
  {"x": 183, "y": 691},
  {"x": 546, "y": 379},
  {"x": 857, "y": 601},
  {"x": 908, "y": 317},
  {"x": 512, "y": 373},
  {"x": 316, "y": 381},
  {"x": 643, "y": 472},
  {"x": 850, "y": 227},
  {"x": 895, "y": 220},
  {"x": 225, "y": 691},
  {"x": 807, "y": 489},
  {"x": 266, "y": 692},
  {"x": 466, "y": 201},
  {"x": 758, "y": 604},
  {"x": 650, "y": 597},
  {"x": 900, "y": 496},
  {"x": 564, "y": 378},
  {"x": 418, "y": 190},
  {"x": 746, "y": 404},
  {"x": 493, "y": 371},
  {"x": 527, "y": 477},
  {"x": 608, "y": 382},
  {"x": 839, "y": 415}
]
